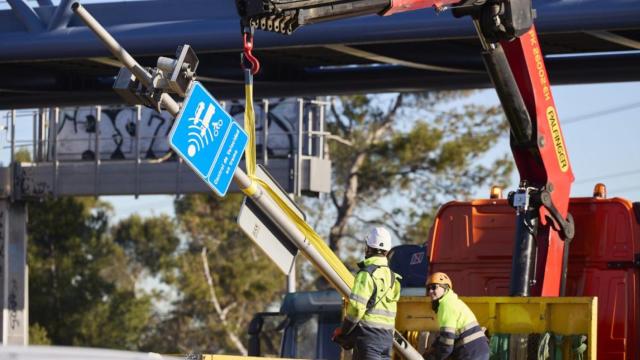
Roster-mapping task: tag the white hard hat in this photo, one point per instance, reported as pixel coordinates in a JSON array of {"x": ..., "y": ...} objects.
[{"x": 379, "y": 238}]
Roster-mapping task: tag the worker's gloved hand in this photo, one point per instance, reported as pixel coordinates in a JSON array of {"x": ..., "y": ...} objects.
[
  {"x": 336, "y": 333},
  {"x": 341, "y": 339}
]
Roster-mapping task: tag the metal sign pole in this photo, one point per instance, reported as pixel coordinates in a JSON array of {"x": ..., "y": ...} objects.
[
  {"x": 291, "y": 277},
  {"x": 138, "y": 122},
  {"x": 54, "y": 140},
  {"x": 4, "y": 260},
  {"x": 13, "y": 273},
  {"x": 12, "y": 128},
  {"x": 96, "y": 173}
]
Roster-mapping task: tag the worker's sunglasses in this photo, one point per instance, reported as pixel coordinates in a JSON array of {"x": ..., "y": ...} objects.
[{"x": 432, "y": 287}]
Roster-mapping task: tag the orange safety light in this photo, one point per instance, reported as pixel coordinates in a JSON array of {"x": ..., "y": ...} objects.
[
  {"x": 496, "y": 192},
  {"x": 600, "y": 191}
]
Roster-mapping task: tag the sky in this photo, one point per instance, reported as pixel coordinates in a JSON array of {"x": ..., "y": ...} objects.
[{"x": 601, "y": 124}]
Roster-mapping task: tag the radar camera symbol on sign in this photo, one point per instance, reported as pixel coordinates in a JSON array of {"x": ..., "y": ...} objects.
[
  {"x": 208, "y": 139},
  {"x": 201, "y": 133}
]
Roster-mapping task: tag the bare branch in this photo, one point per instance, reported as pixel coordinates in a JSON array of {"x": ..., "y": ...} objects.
[
  {"x": 387, "y": 121},
  {"x": 396, "y": 106},
  {"x": 222, "y": 315},
  {"x": 339, "y": 139},
  {"x": 334, "y": 199},
  {"x": 406, "y": 171},
  {"x": 338, "y": 118},
  {"x": 396, "y": 227},
  {"x": 207, "y": 274},
  {"x": 225, "y": 311}
]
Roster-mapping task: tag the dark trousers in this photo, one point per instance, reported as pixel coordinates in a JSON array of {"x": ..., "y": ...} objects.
[{"x": 372, "y": 343}]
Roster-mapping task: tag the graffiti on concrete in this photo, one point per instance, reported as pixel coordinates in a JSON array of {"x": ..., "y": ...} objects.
[
  {"x": 76, "y": 138},
  {"x": 14, "y": 319},
  {"x": 29, "y": 185},
  {"x": 2, "y": 253}
]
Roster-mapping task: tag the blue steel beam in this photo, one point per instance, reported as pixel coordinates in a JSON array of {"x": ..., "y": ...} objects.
[
  {"x": 158, "y": 27},
  {"x": 44, "y": 91},
  {"x": 26, "y": 15},
  {"x": 61, "y": 16}
]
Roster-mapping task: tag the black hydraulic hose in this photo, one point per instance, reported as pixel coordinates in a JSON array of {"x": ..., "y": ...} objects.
[
  {"x": 565, "y": 266},
  {"x": 523, "y": 261},
  {"x": 502, "y": 78}
]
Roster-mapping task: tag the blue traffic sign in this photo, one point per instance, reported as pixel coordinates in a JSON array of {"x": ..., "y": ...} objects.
[{"x": 208, "y": 139}]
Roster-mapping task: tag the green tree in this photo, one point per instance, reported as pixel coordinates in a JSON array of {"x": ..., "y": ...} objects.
[
  {"x": 72, "y": 299},
  {"x": 401, "y": 156},
  {"x": 22, "y": 155},
  {"x": 149, "y": 245},
  {"x": 222, "y": 279}
]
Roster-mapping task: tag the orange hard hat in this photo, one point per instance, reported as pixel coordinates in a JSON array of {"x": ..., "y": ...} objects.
[{"x": 440, "y": 278}]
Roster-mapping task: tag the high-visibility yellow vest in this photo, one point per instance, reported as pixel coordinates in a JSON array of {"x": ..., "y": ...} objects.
[{"x": 382, "y": 311}]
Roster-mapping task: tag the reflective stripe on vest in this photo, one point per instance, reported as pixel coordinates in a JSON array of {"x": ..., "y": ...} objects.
[
  {"x": 383, "y": 312},
  {"x": 448, "y": 329},
  {"x": 469, "y": 338},
  {"x": 468, "y": 327},
  {"x": 444, "y": 340},
  {"x": 374, "y": 324},
  {"x": 358, "y": 298}
]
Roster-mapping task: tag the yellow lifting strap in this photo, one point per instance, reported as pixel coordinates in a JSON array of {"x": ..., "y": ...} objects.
[
  {"x": 250, "y": 125},
  {"x": 250, "y": 160}
]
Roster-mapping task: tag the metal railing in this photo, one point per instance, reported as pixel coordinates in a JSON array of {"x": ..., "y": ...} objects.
[{"x": 58, "y": 136}]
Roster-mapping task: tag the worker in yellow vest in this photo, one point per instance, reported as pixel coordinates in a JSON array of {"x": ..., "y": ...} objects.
[
  {"x": 461, "y": 337},
  {"x": 371, "y": 311}
]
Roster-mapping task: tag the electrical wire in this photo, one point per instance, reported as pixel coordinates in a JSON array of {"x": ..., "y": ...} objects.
[
  {"x": 599, "y": 113},
  {"x": 626, "y": 190},
  {"x": 610, "y": 176}
]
